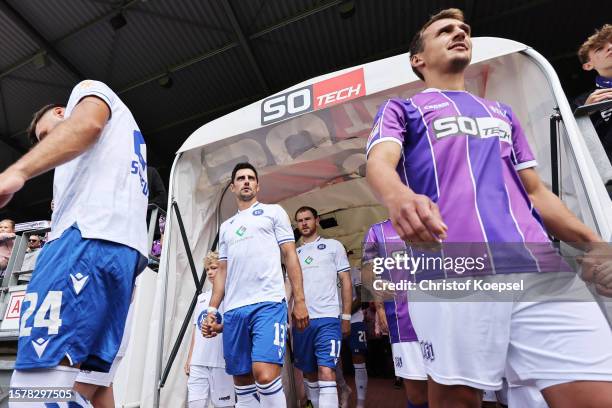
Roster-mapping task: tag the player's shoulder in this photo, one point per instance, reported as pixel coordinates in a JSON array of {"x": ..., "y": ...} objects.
[
  {"x": 275, "y": 210},
  {"x": 91, "y": 85},
  {"x": 396, "y": 104}
]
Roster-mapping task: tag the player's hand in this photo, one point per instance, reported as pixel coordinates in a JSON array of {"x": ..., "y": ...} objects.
[
  {"x": 300, "y": 315},
  {"x": 416, "y": 218},
  {"x": 346, "y": 328},
  {"x": 599, "y": 95},
  {"x": 11, "y": 181},
  {"x": 210, "y": 327},
  {"x": 603, "y": 279},
  {"x": 382, "y": 319},
  {"x": 187, "y": 365},
  {"x": 592, "y": 261}
]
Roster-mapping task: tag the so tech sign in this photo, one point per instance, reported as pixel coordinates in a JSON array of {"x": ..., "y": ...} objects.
[{"x": 313, "y": 97}]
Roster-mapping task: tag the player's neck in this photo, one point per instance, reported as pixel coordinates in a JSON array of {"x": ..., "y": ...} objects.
[
  {"x": 446, "y": 81},
  {"x": 244, "y": 205},
  {"x": 311, "y": 238}
]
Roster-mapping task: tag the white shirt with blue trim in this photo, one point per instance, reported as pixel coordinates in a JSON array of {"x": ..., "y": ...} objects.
[
  {"x": 104, "y": 190},
  {"x": 321, "y": 261},
  {"x": 250, "y": 243}
]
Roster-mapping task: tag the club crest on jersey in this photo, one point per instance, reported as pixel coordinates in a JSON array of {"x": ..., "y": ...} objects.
[
  {"x": 258, "y": 211},
  {"x": 240, "y": 231},
  {"x": 308, "y": 260},
  {"x": 201, "y": 318},
  {"x": 321, "y": 246},
  {"x": 479, "y": 127}
]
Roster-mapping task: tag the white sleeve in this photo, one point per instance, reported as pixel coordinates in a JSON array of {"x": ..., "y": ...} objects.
[
  {"x": 342, "y": 263},
  {"x": 92, "y": 88},
  {"x": 222, "y": 245},
  {"x": 282, "y": 226}
]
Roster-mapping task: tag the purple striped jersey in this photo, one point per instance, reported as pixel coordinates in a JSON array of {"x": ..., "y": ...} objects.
[
  {"x": 464, "y": 152},
  {"x": 382, "y": 241}
]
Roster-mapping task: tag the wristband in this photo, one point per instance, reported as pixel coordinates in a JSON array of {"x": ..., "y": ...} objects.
[
  {"x": 212, "y": 310},
  {"x": 345, "y": 316}
]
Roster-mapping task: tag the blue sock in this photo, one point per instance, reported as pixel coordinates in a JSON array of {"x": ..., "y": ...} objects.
[{"x": 425, "y": 405}]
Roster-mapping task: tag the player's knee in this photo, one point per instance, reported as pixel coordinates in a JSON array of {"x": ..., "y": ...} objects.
[
  {"x": 327, "y": 374},
  {"x": 265, "y": 377}
]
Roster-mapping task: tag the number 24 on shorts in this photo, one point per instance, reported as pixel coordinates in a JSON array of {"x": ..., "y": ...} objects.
[{"x": 51, "y": 305}]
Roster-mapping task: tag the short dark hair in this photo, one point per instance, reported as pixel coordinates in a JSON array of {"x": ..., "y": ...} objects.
[
  {"x": 31, "y": 132},
  {"x": 304, "y": 208},
  {"x": 417, "y": 45},
  {"x": 243, "y": 165}
]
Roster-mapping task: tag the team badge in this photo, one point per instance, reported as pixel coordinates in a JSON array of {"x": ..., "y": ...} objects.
[
  {"x": 321, "y": 246},
  {"x": 258, "y": 211}
]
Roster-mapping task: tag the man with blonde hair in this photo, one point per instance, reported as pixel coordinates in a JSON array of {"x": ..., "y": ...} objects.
[{"x": 456, "y": 168}]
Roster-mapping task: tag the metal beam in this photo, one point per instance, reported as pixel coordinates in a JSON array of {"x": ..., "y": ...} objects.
[
  {"x": 245, "y": 45},
  {"x": 31, "y": 32},
  {"x": 511, "y": 12},
  {"x": 229, "y": 46}
]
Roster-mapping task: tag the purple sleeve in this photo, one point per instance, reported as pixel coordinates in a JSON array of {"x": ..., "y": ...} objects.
[
  {"x": 389, "y": 124},
  {"x": 370, "y": 246},
  {"x": 522, "y": 156}
]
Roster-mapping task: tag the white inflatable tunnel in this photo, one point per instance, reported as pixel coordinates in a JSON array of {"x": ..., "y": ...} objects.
[{"x": 308, "y": 143}]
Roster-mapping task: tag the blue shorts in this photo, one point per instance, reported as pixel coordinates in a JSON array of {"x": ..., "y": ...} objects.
[
  {"x": 317, "y": 345},
  {"x": 358, "y": 341},
  {"x": 76, "y": 303},
  {"x": 254, "y": 333}
]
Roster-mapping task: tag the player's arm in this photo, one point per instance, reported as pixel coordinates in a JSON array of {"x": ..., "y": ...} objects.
[
  {"x": 210, "y": 327},
  {"x": 382, "y": 317},
  {"x": 565, "y": 226},
  {"x": 218, "y": 290},
  {"x": 188, "y": 362},
  {"x": 294, "y": 272},
  {"x": 68, "y": 140},
  {"x": 347, "y": 295},
  {"x": 558, "y": 219},
  {"x": 415, "y": 217}
]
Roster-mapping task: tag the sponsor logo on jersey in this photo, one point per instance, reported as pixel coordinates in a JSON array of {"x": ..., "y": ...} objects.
[
  {"x": 224, "y": 398},
  {"x": 258, "y": 211},
  {"x": 478, "y": 127},
  {"x": 427, "y": 350},
  {"x": 317, "y": 96},
  {"x": 240, "y": 231},
  {"x": 436, "y": 106},
  {"x": 321, "y": 246},
  {"x": 139, "y": 166},
  {"x": 308, "y": 260},
  {"x": 78, "y": 282}
]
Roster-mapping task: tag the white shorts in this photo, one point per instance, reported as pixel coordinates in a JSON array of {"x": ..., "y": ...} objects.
[
  {"x": 533, "y": 343},
  {"x": 408, "y": 360},
  {"x": 210, "y": 384}
]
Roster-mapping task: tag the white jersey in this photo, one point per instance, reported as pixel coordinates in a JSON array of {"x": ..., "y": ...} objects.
[
  {"x": 104, "y": 190},
  {"x": 321, "y": 261},
  {"x": 250, "y": 243},
  {"x": 206, "y": 351},
  {"x": 356, "y": 281}
]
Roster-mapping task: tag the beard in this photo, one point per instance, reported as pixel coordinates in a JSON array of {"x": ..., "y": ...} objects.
[
  {"x": 459, "y": 63},
  {"x": 247, "y": 195}
]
